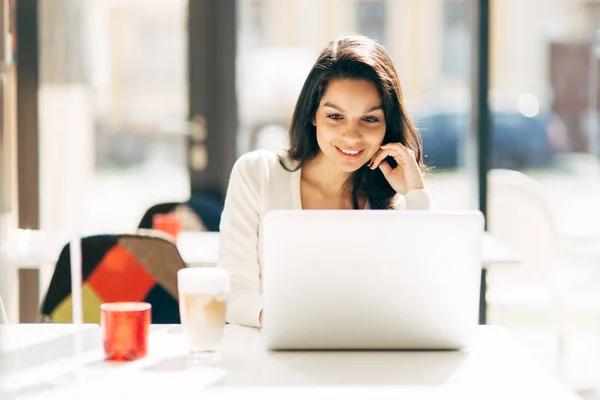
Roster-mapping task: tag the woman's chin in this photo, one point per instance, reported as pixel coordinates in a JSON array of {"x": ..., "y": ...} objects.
[{"x": 350, "y": 166}]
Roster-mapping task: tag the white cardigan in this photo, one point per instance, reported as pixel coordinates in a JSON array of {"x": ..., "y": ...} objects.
[{"x": 258, "y": 184}]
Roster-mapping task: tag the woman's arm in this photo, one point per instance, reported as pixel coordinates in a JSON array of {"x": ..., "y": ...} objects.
[
  {"x": 417, "y": 199},
  {"x": 238, "y": 250}
]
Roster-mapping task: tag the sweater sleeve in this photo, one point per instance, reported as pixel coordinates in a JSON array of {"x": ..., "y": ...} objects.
[
  {"x": 416, "y": 199},
  {"x": 238, "y": 248}
]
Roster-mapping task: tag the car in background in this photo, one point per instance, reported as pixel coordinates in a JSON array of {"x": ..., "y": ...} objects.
[{"x": 518, "y": 141}]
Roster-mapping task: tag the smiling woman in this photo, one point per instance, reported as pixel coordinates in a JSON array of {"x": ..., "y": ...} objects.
[
  {"x": 352, "y": 146},
  {"x": 342, "y": 119},
  {"x": 350, "y": 105}
]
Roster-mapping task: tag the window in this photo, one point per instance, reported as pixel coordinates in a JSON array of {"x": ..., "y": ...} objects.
[
  {"x": 252, "y": 24},
  {"x": 371, "y": 20},
  {"x": 457, "y": 40}
]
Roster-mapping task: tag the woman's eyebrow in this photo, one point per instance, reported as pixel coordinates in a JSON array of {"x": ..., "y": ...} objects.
[
  {"x": 379, "y": 107},
  {"x": 340, "y": 109},
  {"x": 331, "y": 105}
]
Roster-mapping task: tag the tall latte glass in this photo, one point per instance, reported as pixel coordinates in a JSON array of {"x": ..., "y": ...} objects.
[{"x": 202, "y": 300}]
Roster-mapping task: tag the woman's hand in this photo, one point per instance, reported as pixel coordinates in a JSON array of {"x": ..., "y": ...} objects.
[{"x": 407, "y": 175}]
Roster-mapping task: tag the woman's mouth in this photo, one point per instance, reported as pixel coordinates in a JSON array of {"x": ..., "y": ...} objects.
[{"x": 349, "y": 154}]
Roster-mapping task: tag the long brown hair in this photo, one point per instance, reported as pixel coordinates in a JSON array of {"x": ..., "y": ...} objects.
[{"x": 354, "y": 57}]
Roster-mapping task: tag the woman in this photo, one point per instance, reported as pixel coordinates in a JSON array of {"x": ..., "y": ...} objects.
[{"x": 352, "y": 146}]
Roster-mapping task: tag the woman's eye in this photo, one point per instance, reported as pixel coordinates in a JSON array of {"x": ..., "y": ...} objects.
[
  {"x": 371, "y": 119},
  {"x": 334, "y": 117}
]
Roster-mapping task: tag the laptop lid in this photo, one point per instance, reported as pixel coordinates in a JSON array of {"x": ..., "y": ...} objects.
[{"x": 370, "y": 279}]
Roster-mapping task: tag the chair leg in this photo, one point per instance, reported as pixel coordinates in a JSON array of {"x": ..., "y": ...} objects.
[
  {"x": 562, "y": 330},
  {"x": 561, "y": 356}
]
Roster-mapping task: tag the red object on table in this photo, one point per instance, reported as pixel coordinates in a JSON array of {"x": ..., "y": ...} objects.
[
  {"x": 125, "y": 327},
  {"x": 167, "y": 223}
]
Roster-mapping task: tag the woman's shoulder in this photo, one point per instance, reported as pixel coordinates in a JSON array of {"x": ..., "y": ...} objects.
[
  {"x": 257, "y": 157},
  {"x": 261, "y": 162},
  {"x": 260, "y": 176}
]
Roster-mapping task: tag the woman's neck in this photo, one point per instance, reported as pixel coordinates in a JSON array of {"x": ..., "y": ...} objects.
[{"x": 323, "y": 174}]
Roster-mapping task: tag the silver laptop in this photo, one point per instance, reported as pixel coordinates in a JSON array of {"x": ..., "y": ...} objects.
[{"x": 370, "y": 279}]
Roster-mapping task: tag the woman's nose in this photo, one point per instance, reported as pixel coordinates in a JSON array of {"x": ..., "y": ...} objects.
[{"x": 352, "y": 131}]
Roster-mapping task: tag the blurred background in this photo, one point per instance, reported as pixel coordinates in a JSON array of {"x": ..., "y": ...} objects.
[{"x": 112, "y": 106}]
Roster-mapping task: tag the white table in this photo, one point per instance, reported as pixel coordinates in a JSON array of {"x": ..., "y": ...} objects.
[
  {"x": 199, "y": 248},
  {"x": 32, "y": 248},
  {"x": 496, "y": 252},
  {"x": 202, "y": 248},
  {"x": 494, "y": 366},
  {"x": 30, "y": 253}
]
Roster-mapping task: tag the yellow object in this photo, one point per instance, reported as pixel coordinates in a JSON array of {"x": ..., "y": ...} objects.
[{"x": 91, "y": 307}]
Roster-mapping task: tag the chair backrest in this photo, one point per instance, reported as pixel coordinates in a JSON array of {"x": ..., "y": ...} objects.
[
  {"x": 189, "y": 217},
  {"x": 519, "y": 216},
  {"x": 118, "y": 268},
  {"x": 208, "y": 209},
  {"x": 163, "y": 208}
]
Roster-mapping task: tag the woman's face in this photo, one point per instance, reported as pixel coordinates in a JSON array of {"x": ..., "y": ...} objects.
[{"x": 350, "y": 123}]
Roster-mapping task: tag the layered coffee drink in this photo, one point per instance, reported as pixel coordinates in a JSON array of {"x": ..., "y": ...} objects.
[
  {"x": 203, "y": 318},
  {"x": 202, "y": 303}
]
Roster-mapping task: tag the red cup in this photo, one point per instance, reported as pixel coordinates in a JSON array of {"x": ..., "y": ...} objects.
[
  {"x": 167, "y": 223},
  {"x": 125, "y": 327}
]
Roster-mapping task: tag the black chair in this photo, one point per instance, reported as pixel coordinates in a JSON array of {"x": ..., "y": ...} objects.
[
  {"x": 205, "y": 208},
  {"x": 163, "y": 208}
]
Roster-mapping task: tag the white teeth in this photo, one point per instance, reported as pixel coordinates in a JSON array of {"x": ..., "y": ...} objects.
[{"x": 352, "y": 152}]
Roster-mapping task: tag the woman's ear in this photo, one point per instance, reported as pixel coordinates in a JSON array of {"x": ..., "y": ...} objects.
[{"x": 314, "y": 120}]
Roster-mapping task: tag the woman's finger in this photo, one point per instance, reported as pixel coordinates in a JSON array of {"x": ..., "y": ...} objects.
[
  {"x": 373, "y": 158},
  {"x": 379, "y": 157},
  {"x": 401, "y": 150},
  {"x": 385, "y": 168}
]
